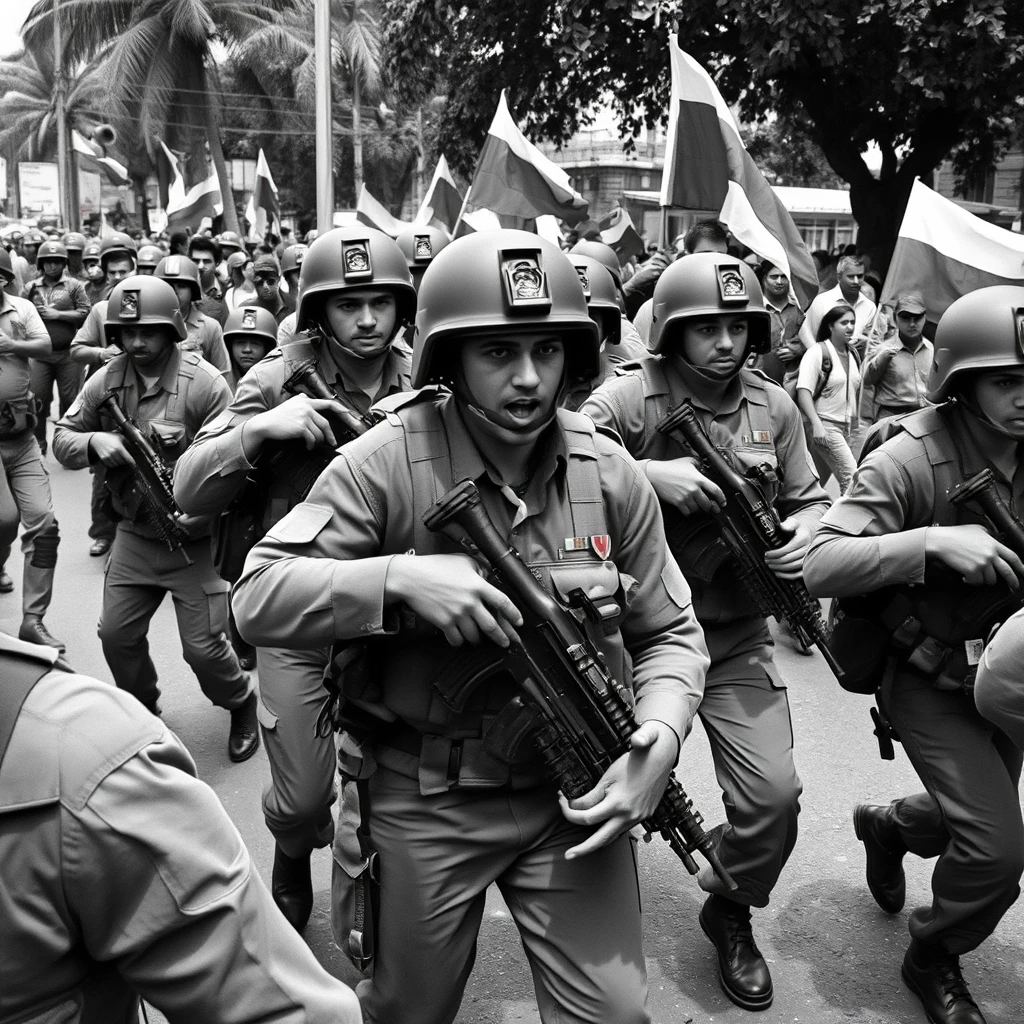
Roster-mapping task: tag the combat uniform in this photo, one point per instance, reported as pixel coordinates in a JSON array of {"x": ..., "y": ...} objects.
[
  {"x": 141, "y": 568},
  {"x": 123, "y": 875},
  {"x": 444, "y": 834},
  {"x": 756, "y": 423},
  {"x": 205, "y": 336},
  {"x": 998, "y": 693}
]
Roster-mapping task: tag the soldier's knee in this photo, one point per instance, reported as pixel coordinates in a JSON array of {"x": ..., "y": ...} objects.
[
  {"x": 44, "y": 548},
  {"x": 207, "y": 654}
]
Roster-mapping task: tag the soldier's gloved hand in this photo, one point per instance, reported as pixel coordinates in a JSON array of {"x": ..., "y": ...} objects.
[
  {"x": 974, "y": 553},
  {"x": 449, "y": 592},
  {"x": 110, "y": 449},
  {"x": 629, "y": 790},
  {"x": 787, "y": 562},
  {"x": 680, "y": 483},
  {"x": 300, "y": 418}
]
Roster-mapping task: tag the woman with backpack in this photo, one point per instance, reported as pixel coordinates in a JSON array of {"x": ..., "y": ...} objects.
[{"x": 827, "y": 391}]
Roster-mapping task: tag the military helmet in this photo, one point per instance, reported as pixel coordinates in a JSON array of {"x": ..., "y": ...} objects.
[
  {"x": 180, "y": 270},
  {"x": 51, "y": 250},
  {"x": 142, "y": 300},
  {"x": 421, "y": 243},
  {"x": 230, "y": 241},
  {"x": 293, "y": 257},
  {"x": 706, "y": 284},
  {"x": 603, "y": 253},
  {"x": 344, "y": 259},
  {"x": 117, "y": 245},
  {"x": 501, "y": 282},
  {"x": 33, "y": 237},
  {"x": 982, "y": 330},
  {"x": 6, "y": 266},
  {"x": 601, "y": 294},
  {"x": 91, "y": 250},
  {"x": 251, "y": 321},
  {"x": 74, "y": 241},
  {"x": 149, "y": 256}
]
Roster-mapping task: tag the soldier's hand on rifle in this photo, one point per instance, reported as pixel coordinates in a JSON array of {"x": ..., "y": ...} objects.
[
  {"x": 449, "y": 592},
  {"x": 298, "y": 419},
  {"x": 629, "y": 790},
  {"x": 974, "y": 553},
  {"x": 110, "y": 449},
  {"x": 680, "y": 483},
  {"x": 787, "y": 562}
]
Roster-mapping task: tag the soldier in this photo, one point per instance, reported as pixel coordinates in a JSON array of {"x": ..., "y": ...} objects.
[
  {"x": 23, "y": 336},
  {"x": 117, "y": 259},
  {"x": 897, "y": 528},
  {"x": 203, "y": 333},
  {"x": 95, "y": 282},
  {"x": 169, "y": 393},
  {"x": 709, "y": 317},
  {"x": 75, "y": 243},
  {"x": 355, "y": 298},
  {"x": 124, "y": 876},
  {"x": 291, "y": 267},
  {"x": 148, "y": 259},
  {"x": 249, "y": 334},
  {"x": 502, "y": 322},
  {"x": 63, "y": 307}
]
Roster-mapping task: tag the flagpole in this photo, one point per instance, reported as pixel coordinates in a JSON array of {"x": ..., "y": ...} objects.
[{"x": 324, "y": 127}]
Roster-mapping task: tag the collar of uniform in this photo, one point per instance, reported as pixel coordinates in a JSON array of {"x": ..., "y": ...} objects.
[
  {"x": 778, "y": 309},
  {"x": 195, "y": 316},
  {"x": 168, "y": 380},
  {"x": 6, "y": 305},
  {"x": 395, "y": 370}
]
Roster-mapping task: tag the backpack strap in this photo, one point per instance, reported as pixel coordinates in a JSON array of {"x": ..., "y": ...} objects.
[
  {"x": 23, "y": 665},
  {"x": 755, "y": 392},
  {"x": 583, "y": 481},
  {"x": 824, "y": 373},
  {"x": 187, "y": 365}
]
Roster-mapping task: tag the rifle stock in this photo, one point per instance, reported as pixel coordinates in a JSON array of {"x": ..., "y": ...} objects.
[{"x": 583, "y": 717}]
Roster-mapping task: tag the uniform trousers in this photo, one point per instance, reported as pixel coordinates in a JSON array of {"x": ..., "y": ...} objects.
[
  {"x": 29, "y": 484},
  {"x": 579, "y": 920},
  {"x": 297, "y": 803},
  {"x": 970, "y": 816},
  {"x": 45, "y": 371},
  {"x": 140, "y": 571},
  {"x": 101, "y": 525},
  {"x": 745, "y": 712}
]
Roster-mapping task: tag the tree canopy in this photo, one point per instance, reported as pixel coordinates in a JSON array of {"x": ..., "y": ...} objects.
[{"x": 923, "y": 79}]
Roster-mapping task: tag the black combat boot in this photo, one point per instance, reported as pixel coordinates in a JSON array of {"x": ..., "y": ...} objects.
[
  {"x": 244, "y": 738},
  {"x": 741, "y": 968},
  {"x": 6, "y": 583},
  {"x": 34, "y": 632},
  {"x": 292, "y": 887},
  {"x": 933, "y": 975},
  {"x": 877, "y": 830}
]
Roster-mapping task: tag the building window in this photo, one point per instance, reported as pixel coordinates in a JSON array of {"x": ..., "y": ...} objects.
[
  {"x": 242, "y": 174},
  {"x": 980, "y": 187}
]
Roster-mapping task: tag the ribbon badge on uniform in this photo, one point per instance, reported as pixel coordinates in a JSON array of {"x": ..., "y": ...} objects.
[{"x": 599, "y": 543}]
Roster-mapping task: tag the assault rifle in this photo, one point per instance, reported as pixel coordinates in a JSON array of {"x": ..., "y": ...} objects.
[
  {"x": 749, "y": 526},
  {"x": 153, "y": 479},
  {"x": 346, "y": 421},
  {"x": 579, "y": 717}
]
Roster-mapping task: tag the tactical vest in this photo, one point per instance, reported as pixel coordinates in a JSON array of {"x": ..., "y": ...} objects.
[{"x": 405, "y": 680}]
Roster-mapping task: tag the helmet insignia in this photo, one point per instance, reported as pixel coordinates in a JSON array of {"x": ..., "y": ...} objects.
[
  {"x": 731, "y": 286},
  {"x": 584, "y": 275},
  {"x": 356, "y": 259},
  {"x": 129, "y": 306},
  {"x": 422, "y": 248},
  {"x": 526, "y": 284},
  {"x": 172, "y": 268},
  {"x": 249, "y": 320}
]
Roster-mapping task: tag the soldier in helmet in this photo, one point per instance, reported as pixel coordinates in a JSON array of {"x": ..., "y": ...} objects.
[
  {"x": 894, "y": 530},
  {"x": 95, "y": 282},
  {"x": 75, "y": 243},
  {"x": 117, "y": 259},
  {"x": 148, "y": 259},
  {"x": 709, "y": 316},
  {"x": 355, "y": 298},
  {"x": 30, "y": 243},
  {"x": 24, "y": 337},
  {"x": 63, "y": 307},
  {"x": 291, "y": 267},
  {"x": 169, "y": 393},
  {"x": 503, "y": 324},
  {"x": 202, "y": 333},
  {"x": 250, "y": 332}
]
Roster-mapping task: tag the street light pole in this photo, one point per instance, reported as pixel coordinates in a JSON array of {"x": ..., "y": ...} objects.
[
  {"x": 64, "y": 182},
  {"x": 324, "y": 123}
]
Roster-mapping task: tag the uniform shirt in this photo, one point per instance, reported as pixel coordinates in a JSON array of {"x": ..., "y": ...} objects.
[
  {"x": 86, "y": 344},
  {"x": 900, "y": 380},
  {"x": 874, "y": 535},
  {"x": 66, "y": 295},
  {"x": 20, "y": 319},
  {"x": 330, "y": 557},
  {"x": 117, "y": 859},
  {"x": 287, "y": 328},
  {"x": 206, "y": 336},
  {"x": 620, "y": 405},
  {"x": 214, "y": 469},
  {"x": 863, "y": 311},
  {"x": 839, "y": 401}
]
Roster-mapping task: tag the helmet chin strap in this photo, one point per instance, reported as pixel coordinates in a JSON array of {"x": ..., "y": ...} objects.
[
  {"x": 972, "y": 409},
  {"x": 489, "y": 425},
  {"x": 706, "y": 375},
  {"x": 362, "y": 357}
]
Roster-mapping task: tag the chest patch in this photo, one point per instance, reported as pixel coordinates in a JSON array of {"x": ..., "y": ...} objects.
[{"x": 599, "y": 543}]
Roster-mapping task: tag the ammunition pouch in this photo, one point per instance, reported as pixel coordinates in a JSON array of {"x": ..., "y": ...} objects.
[{"x": 355, "y": 878}]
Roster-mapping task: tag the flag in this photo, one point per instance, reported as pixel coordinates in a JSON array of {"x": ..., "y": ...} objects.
[
  {"x": 943, "y": 252},
  {"x": 516, "y": 181},
  {"x": 171, "y": 183},
  {"x": 91, "y": 157},
  {"x": 442, "y": 203},
  {"x": 202, "y": 200},
  {"x": 372, "y": 212},
  {"x": 617, "y": 230},
  {"x": 707, "y": 168},
  {"x": 263, "y": 211}
]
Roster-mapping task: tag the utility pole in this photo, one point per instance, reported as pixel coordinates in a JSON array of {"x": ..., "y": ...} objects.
[
  {"x": 357, "y": 134},
  {"x": 324, "y": 123},
  {"x": 65, "y": 184}
]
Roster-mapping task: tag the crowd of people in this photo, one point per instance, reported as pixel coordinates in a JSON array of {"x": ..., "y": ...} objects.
[{"x": 306, "y": 406}]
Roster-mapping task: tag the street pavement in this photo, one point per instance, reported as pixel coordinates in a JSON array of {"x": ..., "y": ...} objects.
[{"x": 834, "y": 955}]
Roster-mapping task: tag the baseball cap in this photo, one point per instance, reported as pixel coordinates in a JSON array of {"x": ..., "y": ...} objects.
[
  {"x": 237, "y": 260},
  {"x": 910, "y": 302},
  {"x": 266, "y": 264}
]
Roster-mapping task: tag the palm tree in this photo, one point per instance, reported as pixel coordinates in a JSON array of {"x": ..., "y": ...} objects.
[{"x": 160, "y": 60}]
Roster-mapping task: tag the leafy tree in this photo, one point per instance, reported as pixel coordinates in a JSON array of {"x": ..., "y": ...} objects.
[
  {"x": 787, "y": 156},
  {"x": 923, "y": 79}
]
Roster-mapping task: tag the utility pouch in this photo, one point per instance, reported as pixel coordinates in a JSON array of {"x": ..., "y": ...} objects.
[
  {"x": 355, "y": 879},
  {"x": 234, "y": 534}
]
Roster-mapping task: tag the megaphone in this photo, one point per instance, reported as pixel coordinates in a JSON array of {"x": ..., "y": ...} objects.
[{"x": 103, "y": 135}]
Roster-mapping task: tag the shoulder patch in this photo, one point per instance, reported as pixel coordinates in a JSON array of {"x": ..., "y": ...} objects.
[{"x": 302, "y": 524}]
